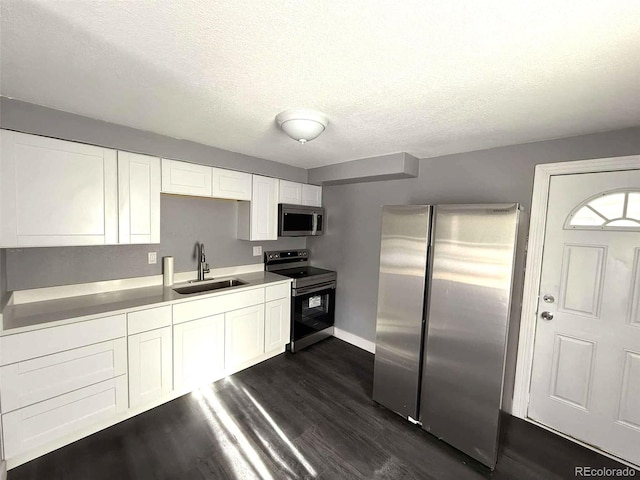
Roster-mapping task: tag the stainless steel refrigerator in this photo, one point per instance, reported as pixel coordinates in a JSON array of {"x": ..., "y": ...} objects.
[{"x": 444, "y": 303}]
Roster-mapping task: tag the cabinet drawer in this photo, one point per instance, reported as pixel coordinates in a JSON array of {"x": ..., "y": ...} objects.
[
  {"x": 24, "y": 346},
  {"x": 145, "y": 320},
  {"x": 39, "y": 424},
  {"x": 206, "y": 307},
  {"x": 274, "y": 292},
  {"x": 32, "y": 381}
]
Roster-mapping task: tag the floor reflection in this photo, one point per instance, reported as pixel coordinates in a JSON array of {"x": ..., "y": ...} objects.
[{"x": 254, "y": 446}]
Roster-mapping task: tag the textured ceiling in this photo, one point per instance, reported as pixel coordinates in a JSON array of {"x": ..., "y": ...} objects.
[{"x": 424, "y": 77}]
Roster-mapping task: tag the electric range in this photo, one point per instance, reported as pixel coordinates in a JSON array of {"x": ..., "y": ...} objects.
[{"x": 313, "y": 296}]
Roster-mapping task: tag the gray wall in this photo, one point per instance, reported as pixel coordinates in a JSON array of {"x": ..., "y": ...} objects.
[
  {"x": 351, "y": 244},
  {"x": 184, "y": 221},
  {"x": 30, "y": 118}
]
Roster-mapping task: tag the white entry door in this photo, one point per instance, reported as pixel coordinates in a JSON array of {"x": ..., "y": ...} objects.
[{"x": 586, "y": 368}]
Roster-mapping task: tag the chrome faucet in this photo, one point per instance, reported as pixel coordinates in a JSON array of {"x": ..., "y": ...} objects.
[{"x": 203, "y": 266}]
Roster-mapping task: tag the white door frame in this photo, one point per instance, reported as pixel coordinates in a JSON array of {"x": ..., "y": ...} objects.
[{"x": 543, "y": 174}]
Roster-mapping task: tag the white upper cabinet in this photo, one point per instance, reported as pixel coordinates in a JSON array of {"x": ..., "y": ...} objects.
[
  {"x": 138, "y": 198},
  {"x": 186, "y": 178},
  {"x": 231, "y": 184},
  {"x": 258, "y": 219},
  {"x": 300, "y": 194},
  {"x": 311, "y": 195},
  {"x": 290, "y": 192},
  {"x": 55, "y": 192}
]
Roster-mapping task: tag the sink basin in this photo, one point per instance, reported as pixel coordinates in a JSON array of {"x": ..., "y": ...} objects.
[{"x": 207, "y": 287}]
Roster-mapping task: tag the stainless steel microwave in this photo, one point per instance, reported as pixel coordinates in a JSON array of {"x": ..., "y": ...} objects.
[{"x": 300, "y": 220}]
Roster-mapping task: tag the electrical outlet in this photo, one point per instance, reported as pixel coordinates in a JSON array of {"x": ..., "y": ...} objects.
[
  {"x": 153, "y": 258},
  {"x": 257, "y": 251}
]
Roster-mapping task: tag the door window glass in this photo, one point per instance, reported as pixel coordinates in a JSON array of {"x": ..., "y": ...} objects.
[{"x": 617, "y": 210}]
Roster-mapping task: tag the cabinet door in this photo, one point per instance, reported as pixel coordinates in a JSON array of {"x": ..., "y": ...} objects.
[
  {"x": 311, "y": 195},
  {"x": 264, "y": 208},
  {"x": 44, "y": 422},
  {"x": 244, "y": 335},
  {"x": 277, "y": 324},
  {"x": 231, "y": 184},
  {"x": 55, "y": 192},
  {"x": 150, "y": 365},
  {"x": 138, "y": 198},
  {"x": 186, "y": 178},
  {"x": 198, "y": 352},
  {"x": 290, "y": 192}
]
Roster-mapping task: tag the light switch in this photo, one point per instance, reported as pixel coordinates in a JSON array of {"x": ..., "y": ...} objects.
[
  {"x": 257, "y": 251},
  {"x": 153, "y": 258}
]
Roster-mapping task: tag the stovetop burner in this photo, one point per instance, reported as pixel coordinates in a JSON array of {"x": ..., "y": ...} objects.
[
  {"x": 295, "y": 264},
  {"x": 303, "y": 272}
]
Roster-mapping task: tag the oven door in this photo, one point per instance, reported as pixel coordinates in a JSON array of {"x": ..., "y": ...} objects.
[{"x": 312, "y": 309}]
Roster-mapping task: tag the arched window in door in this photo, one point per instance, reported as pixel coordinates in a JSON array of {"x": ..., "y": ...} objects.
[{"x": 613, "y": 210}]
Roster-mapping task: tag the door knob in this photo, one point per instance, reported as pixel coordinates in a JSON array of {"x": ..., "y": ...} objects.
[{"x": 547, "y": 316}]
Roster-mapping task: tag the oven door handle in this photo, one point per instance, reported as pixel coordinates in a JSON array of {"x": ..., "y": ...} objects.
[{"x": 299, "y": 292}]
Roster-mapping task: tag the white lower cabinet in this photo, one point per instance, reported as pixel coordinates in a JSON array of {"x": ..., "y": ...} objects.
[
  {"x": 198, "y": 352},
  {"x": 150, "y": 366},
  {"x": 277, "y": 324},
  {"x": 244, "y": 335},
  {"x": 60, "y": 383},
  {"x": 44, "y": 422}
]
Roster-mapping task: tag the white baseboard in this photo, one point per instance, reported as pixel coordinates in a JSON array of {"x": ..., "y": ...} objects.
[{"x": 359, "y": 342}]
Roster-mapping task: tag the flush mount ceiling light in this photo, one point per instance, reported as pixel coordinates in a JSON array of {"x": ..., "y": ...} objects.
[{"x": 302, "y": 125}]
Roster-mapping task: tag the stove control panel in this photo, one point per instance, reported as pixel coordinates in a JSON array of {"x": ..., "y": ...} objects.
[{"x": 280, "y": 256}]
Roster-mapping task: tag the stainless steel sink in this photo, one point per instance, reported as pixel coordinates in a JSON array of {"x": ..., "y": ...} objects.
[{"x": 206, "y": 287}]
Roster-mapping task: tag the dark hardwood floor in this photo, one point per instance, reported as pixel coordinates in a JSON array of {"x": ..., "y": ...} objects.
[{"x": 308, "y": 415}]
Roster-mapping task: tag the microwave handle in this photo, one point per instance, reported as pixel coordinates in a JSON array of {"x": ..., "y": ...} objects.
[{"x": 314, "y": 228}]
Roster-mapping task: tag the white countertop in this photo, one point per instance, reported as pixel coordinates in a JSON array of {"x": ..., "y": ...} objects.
[{"x": 36, "y": 315}]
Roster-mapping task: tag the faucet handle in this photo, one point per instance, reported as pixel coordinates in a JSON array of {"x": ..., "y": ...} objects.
[{"x": 205, "y": 269}]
